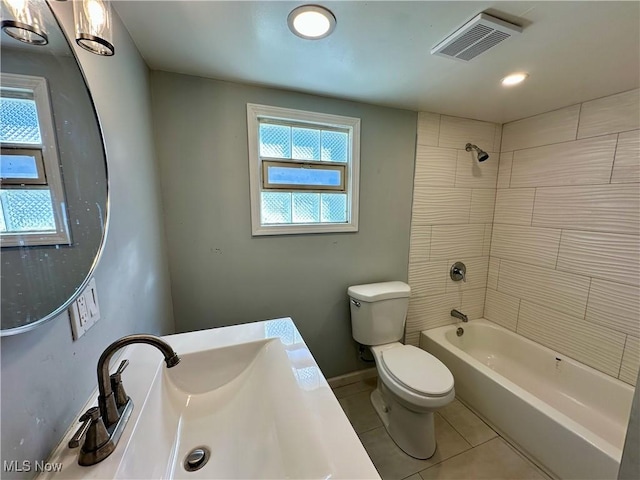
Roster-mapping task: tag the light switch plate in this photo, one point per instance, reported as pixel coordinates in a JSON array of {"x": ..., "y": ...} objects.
[{"x": 85, "y": 310}]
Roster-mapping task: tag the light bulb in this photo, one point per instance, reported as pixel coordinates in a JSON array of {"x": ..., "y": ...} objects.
[
  {"x": 311, "y": 24},
  {"x": 96, "y": 16},
  {"x": 311, "y": 21},
  {"x": 514, "y": 79}
]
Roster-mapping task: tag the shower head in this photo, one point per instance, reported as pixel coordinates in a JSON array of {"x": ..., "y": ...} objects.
[{"x": 482, "y": 155}]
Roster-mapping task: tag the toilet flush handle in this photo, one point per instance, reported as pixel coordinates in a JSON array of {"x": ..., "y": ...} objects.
[{"x": 355, "y": 302}]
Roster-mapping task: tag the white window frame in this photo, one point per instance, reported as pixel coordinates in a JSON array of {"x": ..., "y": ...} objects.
[
  {"x": 62, "y": 235},
  {"x": 352, "y": 188}
]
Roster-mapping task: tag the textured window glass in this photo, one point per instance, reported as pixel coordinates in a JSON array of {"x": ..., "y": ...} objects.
[
  {"x": 333, "y": 208},
  {"x": 275, "y": 141},
  {"x": 19, "y": 121},
  {"x": 276, "y": 207},
  {"x": 18, "y": 166},
  {"x": 283, "y": 330},
  {"x": 306, "y": 143},
  {"x": 3, "y": 226},
  {"x": 28, "y": 210},
  {"x": 303, "y": 176},
  {"x": 335, "y": 146},
  {"x": 306, "y": 208},
  {"x": 308, "y": 377}
]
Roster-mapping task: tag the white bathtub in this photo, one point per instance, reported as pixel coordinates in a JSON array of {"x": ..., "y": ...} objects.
[{"x": 567, "y": 417}]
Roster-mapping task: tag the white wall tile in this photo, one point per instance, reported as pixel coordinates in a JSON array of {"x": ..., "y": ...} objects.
[
  {"x": 430, "y": 312},
  {"x": 504, "y": 170},
  {"x": 609, "y": 256},
  {"x": 435, "y": 167},
  {"x": 614, "y": 305},
  {"x": 612, "y": 114},
  {"x": 429, "y": 278},
  {"x": 630, "y": 360},
  {"x": 547, "y": 128},
  {"x": 514, "y": 205},
  {"x": 441, "y": 206},
  {"x": 486, "y": 244},
  {"x": 497, "y": 139},
  {"x": 492, "y": 274},
  {"x": 526, "y": 244},
  {"x": 606, "y": 208},
  {"x": 472, "y": 304},
  {"x": 476, "y": 274},
  {"x": 420, "y": 243},
  {"x": 456, "y": 132},
  {"x": 564, "y": 292},
  {"x": 482, "y": 205},
  {"x": 626, "y": 168},
  {"x": 457, "y": 241},
  {"x": 502, "y": 309},
  {"x": 583, "y": 162},
  {"x": 473, "y": 174},
  {"x": 590, "y": 344},
  {"x": 428, "y": 128},
  {"x": 412, "y": 338}
]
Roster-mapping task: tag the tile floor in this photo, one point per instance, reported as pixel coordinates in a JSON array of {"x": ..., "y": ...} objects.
[{"x": 467, "y": 447}]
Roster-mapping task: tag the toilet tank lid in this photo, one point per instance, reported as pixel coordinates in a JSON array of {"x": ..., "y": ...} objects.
[{"x": 373, "y": 292}]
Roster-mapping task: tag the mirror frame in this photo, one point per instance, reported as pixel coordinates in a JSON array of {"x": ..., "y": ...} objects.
[{"x": 80, "y": 289}]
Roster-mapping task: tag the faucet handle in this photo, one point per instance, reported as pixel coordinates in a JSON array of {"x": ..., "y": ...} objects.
[
  {"x": 116, "y": 384},
  {"x": 458, "y": 272},
  {"x": 123, "y": 364},
  {"x": 87, "y": 418}
]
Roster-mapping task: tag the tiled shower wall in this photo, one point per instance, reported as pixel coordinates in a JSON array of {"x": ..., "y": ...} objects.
[
  {"x": 565, "y": 250},
  {"x": 453, "y": 204}
]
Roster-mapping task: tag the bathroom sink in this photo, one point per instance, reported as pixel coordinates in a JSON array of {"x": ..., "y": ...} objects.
[{"x": 250, "y": 396}]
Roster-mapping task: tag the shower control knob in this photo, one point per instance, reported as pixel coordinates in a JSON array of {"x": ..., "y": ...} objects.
[{"x": 458, "y": 272}]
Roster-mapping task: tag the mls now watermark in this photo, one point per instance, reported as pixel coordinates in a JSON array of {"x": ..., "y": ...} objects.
[{"x": 29, "y": 466}]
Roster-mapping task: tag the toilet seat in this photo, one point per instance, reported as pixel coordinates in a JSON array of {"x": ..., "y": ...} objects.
[
  {"x": 418, "y": 370},
  {"x": 410, "y": 397}
]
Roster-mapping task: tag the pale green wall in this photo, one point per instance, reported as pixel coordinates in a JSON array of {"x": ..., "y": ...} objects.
[{"x": 220, "y": 275}]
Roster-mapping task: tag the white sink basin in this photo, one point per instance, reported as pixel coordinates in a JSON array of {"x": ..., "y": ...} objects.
[{"x": 251, "y": 394}]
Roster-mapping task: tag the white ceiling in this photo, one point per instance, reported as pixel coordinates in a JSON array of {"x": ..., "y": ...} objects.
[{"x": 379, "y": 51}]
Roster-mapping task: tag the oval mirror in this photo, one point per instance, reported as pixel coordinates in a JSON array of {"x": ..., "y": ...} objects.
[{"x": 53, "y": 186}]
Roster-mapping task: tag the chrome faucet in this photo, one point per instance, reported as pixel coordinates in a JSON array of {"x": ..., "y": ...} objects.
[
  {"x": 103, "y": 425},
  {"x": 460, "y": 315}
]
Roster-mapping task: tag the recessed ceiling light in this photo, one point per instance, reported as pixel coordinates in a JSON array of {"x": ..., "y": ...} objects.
[
  {"x": 514, "y": 79},
  {"x": 311, "y": 22}
]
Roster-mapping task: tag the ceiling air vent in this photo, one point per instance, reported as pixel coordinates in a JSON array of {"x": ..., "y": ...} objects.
[{"x": 475, "y": 37}]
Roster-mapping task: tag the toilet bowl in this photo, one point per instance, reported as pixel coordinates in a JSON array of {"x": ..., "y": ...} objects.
[{"x": 412, "y": 383}]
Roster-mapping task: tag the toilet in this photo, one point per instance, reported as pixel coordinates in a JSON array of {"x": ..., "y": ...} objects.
[{"x": 412, "y": 383}]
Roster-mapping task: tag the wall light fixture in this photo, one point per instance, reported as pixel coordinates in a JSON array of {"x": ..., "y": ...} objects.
[
  {"x": 22, "y": 20},
  {"x": 93, "y": 26}
]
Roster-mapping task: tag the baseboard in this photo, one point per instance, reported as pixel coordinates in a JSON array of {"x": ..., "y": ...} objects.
[{"x": 353, "y": 377}]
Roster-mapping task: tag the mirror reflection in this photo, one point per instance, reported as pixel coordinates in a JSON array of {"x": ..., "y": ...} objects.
[{"x": 53, "y": 190}]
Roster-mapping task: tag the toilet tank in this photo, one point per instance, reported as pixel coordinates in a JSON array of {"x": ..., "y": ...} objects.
[{"x": 378, "y": 312}]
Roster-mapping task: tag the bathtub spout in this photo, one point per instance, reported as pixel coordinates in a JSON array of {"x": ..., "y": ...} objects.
[{"x": 460, "y": 315}]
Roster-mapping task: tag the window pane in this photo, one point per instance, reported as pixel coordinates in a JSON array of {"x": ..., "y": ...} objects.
[
  {"x": 3, "y": 226},
  {"x": 275, "y": 141},
  {"x": 276, "y": 207},
  {"x": 303, "y": 176},
  {"x": 19, "y": 121},
  {"x": 28, "y": 210},
  {"x": 334, "y": 146},
  {"x": 18, "y": 166},
  {"x": 306, "y": 207},
  {"x": 306, "y": 143},
  {"x": 333, "y": 208}
]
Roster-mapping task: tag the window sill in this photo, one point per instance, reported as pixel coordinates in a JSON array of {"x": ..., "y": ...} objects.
[{"x": 303, "y": 229}]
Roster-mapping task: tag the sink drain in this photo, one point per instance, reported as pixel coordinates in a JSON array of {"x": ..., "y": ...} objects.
[{"x": 196, "y": 459}]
